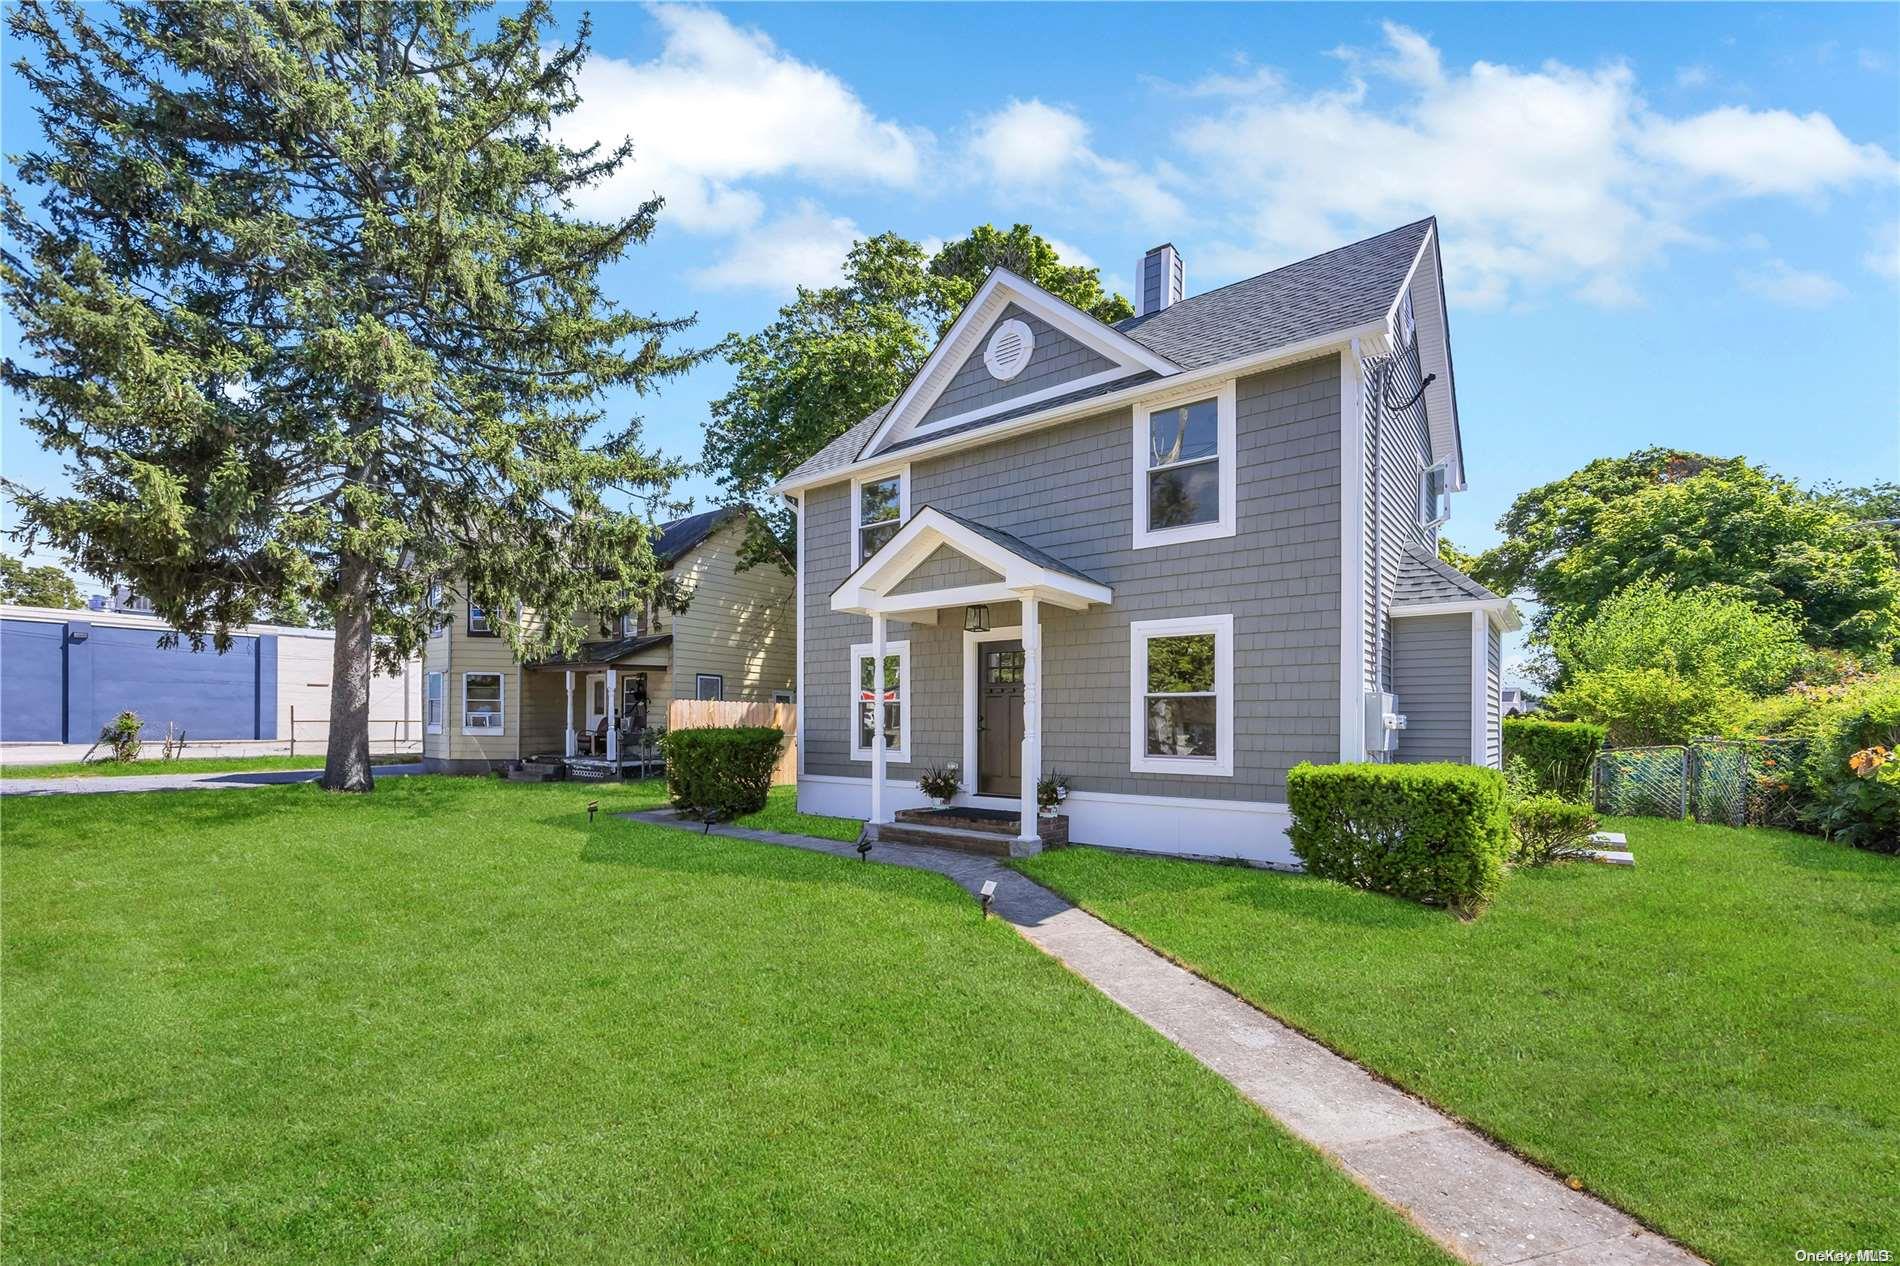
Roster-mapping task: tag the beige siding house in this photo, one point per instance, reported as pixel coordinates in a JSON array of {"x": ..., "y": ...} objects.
[{"x": 735, "y": 639}]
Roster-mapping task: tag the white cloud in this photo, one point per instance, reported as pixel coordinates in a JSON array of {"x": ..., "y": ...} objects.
[
  {"x": 1029, "y": 149},
  {"x": 804, "y": 247},
  {"x": 1884, "y": 255},
  {"x": 722, "y": 105},
  {"x": 1779, "y": 281},
  {"x": 1073, "y": 256},
  {"x": 1758, "y": 152},
  {"x": 1693, "y": 77},
  {"x": 1553, "y": 177}
]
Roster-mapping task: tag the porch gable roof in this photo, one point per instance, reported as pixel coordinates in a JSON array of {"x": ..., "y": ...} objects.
[{"x": 1023, "y": 571}]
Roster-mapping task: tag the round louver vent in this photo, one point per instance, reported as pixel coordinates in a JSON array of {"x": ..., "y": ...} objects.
[{"x": 1008, "y": 350}]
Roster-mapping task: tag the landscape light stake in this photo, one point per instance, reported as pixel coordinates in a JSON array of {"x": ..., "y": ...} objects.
[
  {"x": 592, "y": 805},
  {"x": 864, "y": 847},
  {"x": 987, "y": 896}
]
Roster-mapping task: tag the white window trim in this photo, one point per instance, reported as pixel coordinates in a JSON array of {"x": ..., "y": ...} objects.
[
  {"x": 488, "y": 626},
  {"x": 784, "y": 696},
  {"x": 441, "y": 681},
  {"x": 860, "y": 652},
  {"x": 1139, "y": 632},
  {"x": 857, "y": 504},
  {"x": 718, "y": 677},
  {"x": 501, "y": 706},
  {"x": 1426, "y": 519},
  {"x": 1226, "y": 431}
]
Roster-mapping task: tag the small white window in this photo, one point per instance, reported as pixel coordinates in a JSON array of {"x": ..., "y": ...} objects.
[
  {"x": 481, "y": 703},
  {"x": 1434, "y": 495},
  {"x": 885, "y": 694},
  {"x": 879, "y": 506},
  {"x": 1185, "y": 486},
  {"x": 709, "y": 686},
  {"x": 438, "y": 624},
  {"x": 783, "y": 696},
  {"x": 1009, "y": 349},
  {"x": 432, "y": 701},
  {"x": 1181, "y": 696},
  {"x": 478, "y": 622}
]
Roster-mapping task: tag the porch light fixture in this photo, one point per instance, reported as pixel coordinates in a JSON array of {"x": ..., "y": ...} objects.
[{"x": 976, "y": 619}]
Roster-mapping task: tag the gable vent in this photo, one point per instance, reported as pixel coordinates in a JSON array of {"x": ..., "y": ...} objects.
[{"x": 1009, "y": 349}]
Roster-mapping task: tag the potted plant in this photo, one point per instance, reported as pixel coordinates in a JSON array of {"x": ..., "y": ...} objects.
[
  {"x": 941, "y": 784},
  {"x": 1051, "y": 792}
]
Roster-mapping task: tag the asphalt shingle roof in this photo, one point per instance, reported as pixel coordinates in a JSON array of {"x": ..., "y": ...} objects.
[
  {"x": 1425, "y": 579},
  {"x": 674, "y": 539},
  {"x": 1337, "y": 290}
]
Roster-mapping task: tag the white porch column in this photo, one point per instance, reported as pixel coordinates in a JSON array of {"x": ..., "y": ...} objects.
[
  {"x": 1032, "y": 715},
  {"x": 613, "y": 714},
  {"x": 573, "y": 743},
  {"x": 877, "y": 718}
]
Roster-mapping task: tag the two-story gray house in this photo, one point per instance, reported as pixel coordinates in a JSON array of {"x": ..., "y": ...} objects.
[{"x": 1167, "y": 559}]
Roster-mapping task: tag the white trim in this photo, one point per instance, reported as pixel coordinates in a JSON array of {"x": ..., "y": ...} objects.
[
  {"x": 1480, "y": 670},
  {"x": 442, "y": 702},
  {"x": 1227, "y": 430},
  {"x": 1004, "y": 370},
  {"x": 718, "y": 677},
  {"x": 1502, "y": 611},
  {"x": 860, "y": 651},
  {"x": 1236, "y": 367},
  {"x": 958, "y": 343},
  {"x": 1352, "y": 556},
  {"x": 501, "y": 705},
  {"x": 866, "y": 591},
  {"x": 1427, "y": 519},
  {"x": 798, "y": 626},
  {"x": 1139, "y": 633},
  {"x": 1028, "y": 397},
  {"x": 1026, "y": 828},
  {"x": 877, "y": 476},
  {"x": 971, "y": 641}
]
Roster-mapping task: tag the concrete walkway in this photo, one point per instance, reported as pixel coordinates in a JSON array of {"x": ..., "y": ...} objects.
[
  {"x": 176, "y": 782},
  {"x": 1477, "y": 1200}
]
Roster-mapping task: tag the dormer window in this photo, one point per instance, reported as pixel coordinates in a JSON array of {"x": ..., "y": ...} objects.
[
  {"x": 1184, "y": 468},
  {"x": 1434, "y": 495},
  {"x": 880, "y": 505}
]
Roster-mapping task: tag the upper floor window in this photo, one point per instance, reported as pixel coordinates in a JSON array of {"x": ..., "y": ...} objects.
[
  {"x": 1185, "y": 487},
  {"x": 478, "y": 625},
  {"x": 438, "y": 625},
  {"x": 1407, "y": 323},
  {"x": 1434, "y": 494},
  {"x": 879, "y": 506},
  {"x": 638, "y": 622}
]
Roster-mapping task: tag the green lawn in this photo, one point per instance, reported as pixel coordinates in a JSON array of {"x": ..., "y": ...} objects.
[
  {"x": 451, "y": 1021},
  {"x": 781, "y": 814},
  {"x": 1711, "y": 1040},
  {"x": 183, "y": 765}
]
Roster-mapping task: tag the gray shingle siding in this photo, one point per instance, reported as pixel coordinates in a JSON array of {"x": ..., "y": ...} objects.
[
  {"x": 1431, "y": 674},
  {"x": 1068, "y": 490},
  {"x": 946, "y": 569},
  {"x": 1057, "y": 359}
]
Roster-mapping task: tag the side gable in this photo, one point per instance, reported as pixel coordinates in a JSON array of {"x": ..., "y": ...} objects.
[
  {"x": 1072, "y": 350},
  {"x": 1426, "y": 288},
  {"x": 946, "y": 569}
]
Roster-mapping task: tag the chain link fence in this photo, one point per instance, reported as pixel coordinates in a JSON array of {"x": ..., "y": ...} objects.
[{"x": 1732, "y": 782}]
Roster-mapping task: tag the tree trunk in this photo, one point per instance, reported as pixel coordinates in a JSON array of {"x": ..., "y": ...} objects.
[{"x": 346, "y": 761}]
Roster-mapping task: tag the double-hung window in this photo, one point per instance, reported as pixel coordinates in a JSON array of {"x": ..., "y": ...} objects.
[
  {"x": 879, "y": 506},
  {"x": 438, "y": 625},
  {"x": 1181, "y": 697},
  {"x": 1434, "y": 495},
  {"x": 880, "y": 698},
  {"x": 432, "y": 703},
  {"x": 478, "y": 625},
  {"x": 481, "y": 703},
  {"x": 709, "y": 686},
  {"x": 1185, "y": 468}
]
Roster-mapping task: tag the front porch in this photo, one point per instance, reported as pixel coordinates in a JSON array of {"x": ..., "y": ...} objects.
[
  {"x": 940, "y": 563},
  {"x": 615, "y": 696}
]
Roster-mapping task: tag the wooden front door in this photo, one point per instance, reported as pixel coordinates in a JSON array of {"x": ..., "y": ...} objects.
[{"x": 999, "y": 719}]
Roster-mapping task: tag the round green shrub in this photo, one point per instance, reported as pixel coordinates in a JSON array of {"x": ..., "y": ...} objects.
[
  {"x": 722, "y": 772},
  {"x": 1549, "y": 829}
]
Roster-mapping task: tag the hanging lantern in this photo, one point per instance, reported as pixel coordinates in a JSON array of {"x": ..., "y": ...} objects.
[{"x": 976, "y": 619}]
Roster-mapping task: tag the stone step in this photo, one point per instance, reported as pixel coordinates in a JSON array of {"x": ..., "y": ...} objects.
[
  {"x": 942, "y": 837},
  {"x": 985, "y": 821}
]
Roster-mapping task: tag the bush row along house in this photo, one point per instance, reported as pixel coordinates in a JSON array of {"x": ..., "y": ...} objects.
[{"x": 1167, "y": 559}]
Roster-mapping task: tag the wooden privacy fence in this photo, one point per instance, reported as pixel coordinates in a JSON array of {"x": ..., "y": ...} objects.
[{"x": 702, "y": 714}]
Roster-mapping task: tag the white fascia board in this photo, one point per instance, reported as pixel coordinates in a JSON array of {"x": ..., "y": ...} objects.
[
  {"x": 1501, "y": 611},
  {"x": 1252, "y": 363},
  {"x": 998, "y": 289},
  {"x": 866, "y": 589}
]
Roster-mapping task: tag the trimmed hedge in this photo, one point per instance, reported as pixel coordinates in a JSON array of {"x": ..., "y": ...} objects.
[
  {"x": 1433, "y": 833},
  {"x": 1559, "y": 753},
  {"x": 721, "y": 772},
  {"x": 1549, "y": 829}
]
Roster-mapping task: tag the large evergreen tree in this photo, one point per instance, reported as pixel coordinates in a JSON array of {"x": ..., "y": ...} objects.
[
  {"x": 311, "y": 322},
  {"x": 837, "y": 353}
]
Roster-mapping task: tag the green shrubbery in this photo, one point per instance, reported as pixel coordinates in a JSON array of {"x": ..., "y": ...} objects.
[
  {"x": 1548, "y": 829},
  {"x": 1558, "y": 754},
  {"x": 1433, "y": 833},
  {"x": 720, "y": 773}
]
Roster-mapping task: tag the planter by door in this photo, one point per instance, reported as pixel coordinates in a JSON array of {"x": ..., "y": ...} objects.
[{"x": 999, "y": 726}]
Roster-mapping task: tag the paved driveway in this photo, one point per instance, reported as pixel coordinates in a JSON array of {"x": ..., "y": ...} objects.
[{"x": 176, "y": 782}]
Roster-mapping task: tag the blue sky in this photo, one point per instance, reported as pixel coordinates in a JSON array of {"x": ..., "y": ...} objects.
[{"x": 1662, "y": 225}]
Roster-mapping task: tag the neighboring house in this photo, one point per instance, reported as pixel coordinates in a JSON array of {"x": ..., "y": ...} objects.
[
  {"x": 65, "y": 674},
  {"x": 734, "y": 639},
  {"x": 1517, "y": 703},
  {"x": 1167, "y": 559}
]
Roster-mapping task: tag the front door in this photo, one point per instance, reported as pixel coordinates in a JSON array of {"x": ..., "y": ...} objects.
[
  {"x": 999, "y": 719},
  {"x": 596, "y": 701}
]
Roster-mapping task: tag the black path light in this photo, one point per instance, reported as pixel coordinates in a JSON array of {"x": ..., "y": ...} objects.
[
  {"x": 987, "y": 896},
  {"x": 864, "y": 845},
  {"x": 592, "y": 805}
]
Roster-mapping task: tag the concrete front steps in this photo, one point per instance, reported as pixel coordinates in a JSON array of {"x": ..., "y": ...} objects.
[
  {"x": 991, "y": 832},
  {"x": 537, "y": 771}
]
